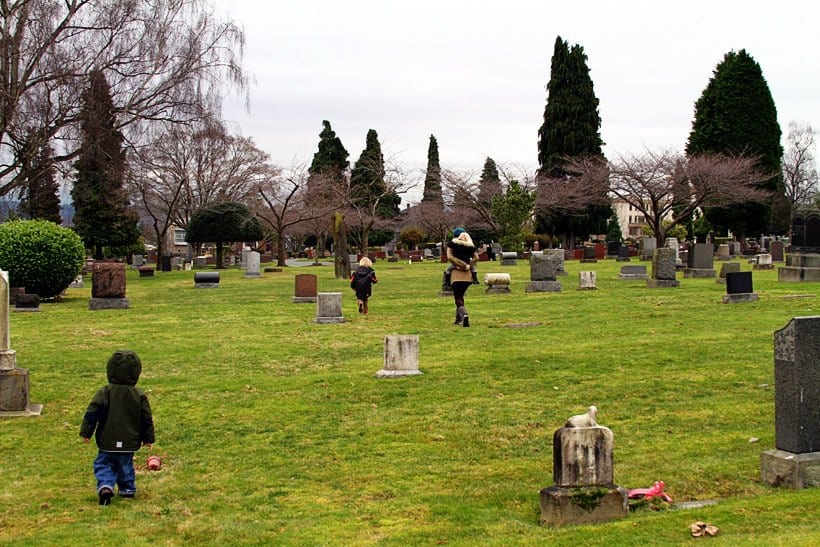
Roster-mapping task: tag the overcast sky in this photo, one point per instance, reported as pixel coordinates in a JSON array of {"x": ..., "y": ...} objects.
[{"x": 474, "y": 72}]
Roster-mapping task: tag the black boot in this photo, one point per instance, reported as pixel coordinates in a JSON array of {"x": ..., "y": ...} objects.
[
  {"x": 447, "y": 277},
  {"x": 459, "y": 316},
  {"x": 475, "y": 278},
  {"x": 461, "y": 313}
]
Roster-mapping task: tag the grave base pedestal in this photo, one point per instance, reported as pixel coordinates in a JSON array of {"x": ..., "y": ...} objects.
[
  {"x": 781, "y": 468},
  {"x": 699, "y": 273},
  {"x": 108, "y": 304},
  {"x": 542, "y": 286},
  {"x": 740, "y": 297},
  {"x": 497, "y": 289},
  {"x": 303, "y": 299},
  {"x": 662, "y": 283},
  {"x": 582, "y": 505},
  {"x": 628, "y": 277},
  {"x": 14, "y": 389},
  {"x": 329, "y": 320}
]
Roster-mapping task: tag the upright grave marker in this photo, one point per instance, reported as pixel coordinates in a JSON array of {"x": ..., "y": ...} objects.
[
  {"x": 14, "y": 381},
  {"x": 700, "y": 261},
  {"x": 305, "y": 288},
  {"x": 108, "y": 287},
  {"x": 803, "y": 262},
  {"x": 739, "y": 288},
  {"x": 401, "y": 356},
  {"x": 795, "y": 461},
  {"x": 584, "y": 491},
  {"x": 663, "y": 269},
  {"x": 544, "y": 271},
  {"x": 329, "y": 308}
]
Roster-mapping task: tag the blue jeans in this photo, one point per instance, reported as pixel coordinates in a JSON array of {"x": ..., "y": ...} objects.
[{"x": 112, "y": 468}]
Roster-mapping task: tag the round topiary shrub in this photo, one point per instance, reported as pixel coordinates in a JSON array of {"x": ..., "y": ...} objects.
[{"x": 40, "y": 256}]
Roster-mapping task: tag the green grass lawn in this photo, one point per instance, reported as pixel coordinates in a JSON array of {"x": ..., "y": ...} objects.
[{"x": 274, "y": 429}]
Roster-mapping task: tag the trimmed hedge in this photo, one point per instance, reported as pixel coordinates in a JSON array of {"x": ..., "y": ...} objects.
[{"x": 40, "y": 256}]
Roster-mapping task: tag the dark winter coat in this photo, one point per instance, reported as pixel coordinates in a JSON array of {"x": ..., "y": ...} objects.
[
  {"x": 362, "y": 281},
  {"x": 119, "y": 412},
  {"x": 463, "y": 251}
]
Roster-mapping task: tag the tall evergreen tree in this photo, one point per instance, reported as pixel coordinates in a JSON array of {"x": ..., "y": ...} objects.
[
  {"x": 432, "y": 180},
  {"x": 102, "y": 215},
  {"x": 489, "y": 183},
  {"x": 571, "y": 129},
  {"x": 41, "y": 198},
  {"x": 736, "y": 115},
  {"x": 330, "y": 161},
  {"x": 367, "y": 184}
]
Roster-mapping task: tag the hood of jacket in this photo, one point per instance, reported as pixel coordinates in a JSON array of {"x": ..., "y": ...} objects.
[
  {"x": 124, "y": 368},
  {"x": 465, "y": 241},
  {"x": 363, "y": 271}
]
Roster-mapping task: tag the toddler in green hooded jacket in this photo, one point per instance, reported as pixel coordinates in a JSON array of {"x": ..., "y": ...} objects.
[{"x": 121, "y": 416}]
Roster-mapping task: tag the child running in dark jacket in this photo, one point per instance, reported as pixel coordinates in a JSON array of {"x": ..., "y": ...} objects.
[
  {"x": 362, "y": 282},
  {"x": 121, "y": 416}
]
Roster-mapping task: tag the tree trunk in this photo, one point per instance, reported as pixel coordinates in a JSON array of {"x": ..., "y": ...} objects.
[
  {"x": 280, "y": 250},
  {"x": 219, "y": 263},
  {"x": 342, "y": 260}
]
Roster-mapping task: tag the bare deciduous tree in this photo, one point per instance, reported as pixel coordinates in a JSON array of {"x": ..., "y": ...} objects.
[
  {"x": 658, "y": 183},
  {"x": 165, "y": 61},
  {"x": 286, "y": 207},
  {"x": 191, "y": 167},
  {"x": 799, "y": 171}
]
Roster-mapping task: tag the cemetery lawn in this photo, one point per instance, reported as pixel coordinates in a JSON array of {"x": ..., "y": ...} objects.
[{"x": 274, "y": 429}]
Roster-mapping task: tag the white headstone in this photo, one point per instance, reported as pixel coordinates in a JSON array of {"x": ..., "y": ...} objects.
[{"x": 252, "y": 264}]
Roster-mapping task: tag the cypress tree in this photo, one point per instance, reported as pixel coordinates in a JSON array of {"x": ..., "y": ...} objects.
[
  {"x": 489, "y": 183},
  {"x": 41, "y": 200},
  {"x": 330, "y": 161},
  {"x": 571, "y": 129},
  {"x": 367, "y": 185},
  {"x": 736, "y": 115},
  {"x": 102, "y": 215},
  {"x": 432, "y": 180}
]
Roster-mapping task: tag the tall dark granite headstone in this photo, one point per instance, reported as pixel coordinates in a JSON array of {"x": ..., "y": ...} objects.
[
  {"x": 795, "y": 461},
  {"x": 803, "y": 262}
]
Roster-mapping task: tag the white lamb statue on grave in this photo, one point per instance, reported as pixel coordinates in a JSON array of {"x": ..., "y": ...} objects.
[{"x": 584, "y": 420}]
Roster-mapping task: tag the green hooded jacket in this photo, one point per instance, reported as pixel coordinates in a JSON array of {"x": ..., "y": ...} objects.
[{"x": 119, "y": 412}]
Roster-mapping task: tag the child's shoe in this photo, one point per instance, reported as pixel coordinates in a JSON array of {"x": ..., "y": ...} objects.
[
  {"x": 106, "y": 494},
  {"x": 447, "y": 277},
  {"x": 361, "y": 307},
  {"x": 475, "y": 278}
]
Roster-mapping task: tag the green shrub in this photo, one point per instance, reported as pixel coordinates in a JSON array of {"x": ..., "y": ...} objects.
[{"x": 40, "y": 256}]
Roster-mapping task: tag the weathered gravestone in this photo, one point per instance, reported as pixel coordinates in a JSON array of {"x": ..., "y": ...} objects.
[
  {"x": 726, "y": 268},
  {"x": 672, "y": 243},
  {"x": 803, "y": 262},
  {"x": 623, "y": 254},
  {"x": 401, "y": 356},
  {"x": 776, "y": 249},
  {"x": 587, "y": 281},
  {"x": 509, "y": 258},
  {"x": 329, "y": 308},
  {"x": 252, "y": 260},
  {"x": 584, "y": 491},
  {"x": 27, "y": 302},
  {"x": 77, "y": 283},
  {"x": 647, "y": 248},
  {"x": 795, "y": 461},
  {"x": 544, "y": 271},
  {"x": 206, "y": 280},
  {"x": 145, "y": 271},
  {"x": 612, "y": 248},
  {"x": 14, "y": 381},
  {"x": 633, "y": 272},
  {"x": 137, "y": 261},
  {"x": 165, "y": 263},
  {"x": 305, "y": 289},
  {"x": 763, "y": 261},
  {"x": 739, "y": 288},
  {"x": 700, "y": 261},
  {"x": 497, "y": 283},
  {"x": 663, "y": 269},
  {"x": 724, "y": 252},
  {"x": 108, "y": 287},
  {"x": 589, "y": 255}
]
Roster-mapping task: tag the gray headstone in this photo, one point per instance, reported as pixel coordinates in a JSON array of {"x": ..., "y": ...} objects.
[
  {"x": 701, "y": 256},
  {"x": 663, "y": 263},
  {"x": 587, "y": 281},
  {"x": 401, "y": 356},
  {"x": 329, "y": 308},
  {"x": 546, "y": 266},
  {"x": 647, "y": 247},
  {"x": 633, "y": 272},
  {"x": 252, "y": 264},
  {"x": 582, "y": 456},
  {"x": 797, "y": 385}
]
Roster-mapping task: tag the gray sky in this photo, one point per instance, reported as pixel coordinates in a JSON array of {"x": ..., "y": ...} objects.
[{"x": 474, "y": 72}]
